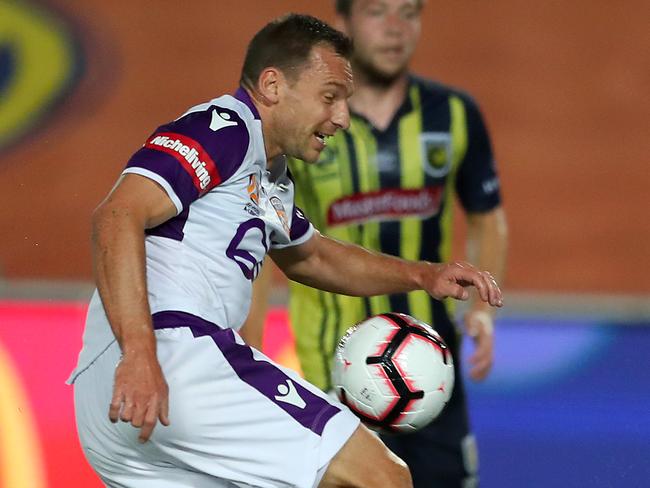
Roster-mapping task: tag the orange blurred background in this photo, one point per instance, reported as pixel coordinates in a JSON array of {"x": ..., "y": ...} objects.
[{"x": 563, "y": 86}]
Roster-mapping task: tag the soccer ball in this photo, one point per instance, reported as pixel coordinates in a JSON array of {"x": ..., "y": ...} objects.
[{"x": 394, "y": 372}]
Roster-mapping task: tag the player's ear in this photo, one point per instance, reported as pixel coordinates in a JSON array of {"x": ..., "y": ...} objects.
[
  {"x": 269, "y": 85},
  {"x": 341, "y": 24}
]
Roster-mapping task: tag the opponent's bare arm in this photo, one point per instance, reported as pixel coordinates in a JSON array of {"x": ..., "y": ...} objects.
[
  {"x": 487, "y": 245},
  {"x": 344, "y": 268},
  {"x": 253, "y": 329},
  {"x": 140, "y": 394}
]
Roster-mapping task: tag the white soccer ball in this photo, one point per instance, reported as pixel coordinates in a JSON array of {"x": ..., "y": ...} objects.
[{"x": 394, "y": 372}]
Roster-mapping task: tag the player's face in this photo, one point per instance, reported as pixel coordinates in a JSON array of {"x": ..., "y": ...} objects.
[
  {"x": 385, "y": 33},
  {"x": 315, "y": 104}
]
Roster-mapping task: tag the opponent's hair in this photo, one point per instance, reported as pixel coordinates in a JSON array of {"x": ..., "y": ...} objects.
[
  {"x": 343, "y": 7},
  {"x": 286, "y": 43}
]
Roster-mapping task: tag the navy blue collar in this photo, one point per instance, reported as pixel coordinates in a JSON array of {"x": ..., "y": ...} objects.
[{"x": 242, "y": 95}]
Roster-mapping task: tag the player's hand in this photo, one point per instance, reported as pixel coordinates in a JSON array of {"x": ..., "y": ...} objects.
[
  {"x": 479, "y": 326},
  {"x": 453, "y": 280},
  {"x": 140, "y": 394}
]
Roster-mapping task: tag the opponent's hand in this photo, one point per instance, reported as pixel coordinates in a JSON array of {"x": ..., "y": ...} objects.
[
  {"x": 453, "y": 279},
  {"x": 479, "y": 326},
  {"x": 140, "y": 394}
]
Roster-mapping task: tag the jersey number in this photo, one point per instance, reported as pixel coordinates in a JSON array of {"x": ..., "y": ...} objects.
[{"x": 246, "y": 261}]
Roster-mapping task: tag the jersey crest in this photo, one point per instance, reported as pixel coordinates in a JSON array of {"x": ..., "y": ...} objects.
[
  {"x": 436, "y": 153},
  {"x": 280, "y": 211}
]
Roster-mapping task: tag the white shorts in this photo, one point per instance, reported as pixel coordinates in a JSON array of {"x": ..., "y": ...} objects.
[{"x": 237, "y": 418}]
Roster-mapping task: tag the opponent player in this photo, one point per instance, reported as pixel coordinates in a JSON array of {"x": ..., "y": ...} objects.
[
  {"x": 177, "y": 244},
  {"x": 388, "y": 183}
]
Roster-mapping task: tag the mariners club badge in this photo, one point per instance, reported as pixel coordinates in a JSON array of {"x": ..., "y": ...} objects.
[{"x": 436, "y": 153}]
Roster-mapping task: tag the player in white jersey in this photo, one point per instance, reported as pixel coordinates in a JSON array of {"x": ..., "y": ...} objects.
[{"x": 177, "y": 244}]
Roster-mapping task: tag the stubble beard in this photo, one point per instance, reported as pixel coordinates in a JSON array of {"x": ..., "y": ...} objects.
[{"x": 374, "y": 76}]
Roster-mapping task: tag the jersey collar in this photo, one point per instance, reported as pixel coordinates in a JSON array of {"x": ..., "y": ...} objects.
[
  {"x": 242, "y": 95},
  {"x": 404, "y": 108}
]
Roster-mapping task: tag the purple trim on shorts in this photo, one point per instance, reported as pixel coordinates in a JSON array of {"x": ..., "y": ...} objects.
[
  {"x": 264, "y": 376},
  {"x": 242, "y": 95},
  {"x": 299, "y": 224},
  {"x": 173, "y": 228},
  {"x": 170, "y": 169}
]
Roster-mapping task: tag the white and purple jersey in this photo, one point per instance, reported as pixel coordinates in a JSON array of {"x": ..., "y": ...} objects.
[
  {"x": 237, "y": 419},
  {"x": 231, "y": 211}
]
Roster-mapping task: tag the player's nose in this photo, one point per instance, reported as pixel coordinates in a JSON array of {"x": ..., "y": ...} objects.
[
  {"x": 341, "y": 115},
  {"x": 394, "y": 23}
]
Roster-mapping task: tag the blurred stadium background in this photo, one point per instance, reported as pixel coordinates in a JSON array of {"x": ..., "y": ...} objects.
[{"x": 564, "y": 88}]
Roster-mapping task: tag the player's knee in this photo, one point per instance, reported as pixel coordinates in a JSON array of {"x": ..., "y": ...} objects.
[
  {"x": 365, "y": 462},
  {"x": 394, "y": 473},
  {"x": 400, "y": 473},
  {"x": 390, "y": 472}
]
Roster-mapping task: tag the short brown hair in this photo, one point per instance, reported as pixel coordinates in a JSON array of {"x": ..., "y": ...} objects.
[
  {"x": 286, "y": 44},
  {"x": 343, "y": 7}
]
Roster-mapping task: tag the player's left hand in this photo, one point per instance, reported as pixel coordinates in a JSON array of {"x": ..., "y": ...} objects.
[{"x": 479, "y": 326}]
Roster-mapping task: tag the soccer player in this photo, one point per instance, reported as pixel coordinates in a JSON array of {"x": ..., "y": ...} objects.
[
  {"x": 388, "y": 183},
  {"x": 177, "y": 244}
]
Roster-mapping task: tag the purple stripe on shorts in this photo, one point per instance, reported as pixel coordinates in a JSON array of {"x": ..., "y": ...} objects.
[
  {"x": 242, "y": 95},
  {"x": 264, "y": 376}
]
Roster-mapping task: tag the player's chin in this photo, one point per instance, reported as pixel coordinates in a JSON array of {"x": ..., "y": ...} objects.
[
  {"x": 389, "y": 71},
  {"x": 311, "y": 155}
]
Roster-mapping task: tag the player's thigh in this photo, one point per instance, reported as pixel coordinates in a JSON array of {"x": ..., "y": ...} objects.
[
  {"x": 236, "y": 415},
  {"x": 112, "y": 449},
  {"x": 365, "y": 462}
]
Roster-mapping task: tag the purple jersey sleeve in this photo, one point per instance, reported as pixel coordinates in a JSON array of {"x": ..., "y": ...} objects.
[
  {"x": 194, "y": 153},
  {"x": 299, "y": 224},
  {"x": 300, "y": 231}
]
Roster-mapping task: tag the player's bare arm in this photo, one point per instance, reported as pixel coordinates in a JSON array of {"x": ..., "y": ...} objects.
[
  {"x": 348, "y": 269},
  {"x": 487, "y": 243},
  {"x": 135, "y": 204},
  {"x": 253, "y": 329}
]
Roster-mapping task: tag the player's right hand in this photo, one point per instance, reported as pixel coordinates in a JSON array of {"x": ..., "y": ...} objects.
[
  {"x": 479, "y": 325},
  {"x": 453, "y": 279},
  {"x": 140, "y": 394}
]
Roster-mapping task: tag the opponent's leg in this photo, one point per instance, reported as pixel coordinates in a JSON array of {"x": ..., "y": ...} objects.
[
  {"x": 443, "y": 454},
  {"x": 365, "y": 462}
]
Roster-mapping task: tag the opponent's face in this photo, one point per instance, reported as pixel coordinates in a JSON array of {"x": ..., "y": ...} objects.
[
  {"x": 385, "y": 33},
  {"x": 314, "y": 105}
]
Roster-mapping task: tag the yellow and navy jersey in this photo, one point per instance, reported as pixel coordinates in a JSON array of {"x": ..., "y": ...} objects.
[{"x": 391, "y": 191}]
